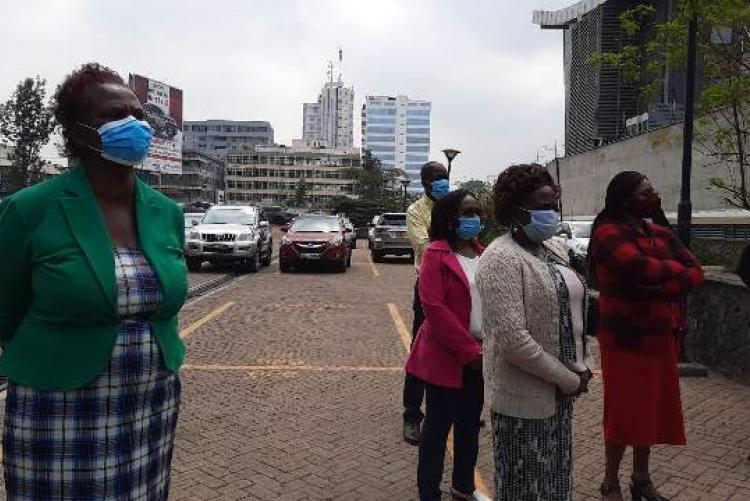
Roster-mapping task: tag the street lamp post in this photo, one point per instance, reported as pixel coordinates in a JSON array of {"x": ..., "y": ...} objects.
[
  {"x": 685, "y": 208},
  {"x": 450, "y": 154},
  {"x": 405, "y": 181}
]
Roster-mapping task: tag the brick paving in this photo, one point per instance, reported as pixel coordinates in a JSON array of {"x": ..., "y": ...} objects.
[
  {"x": 331, "y": 429},
  {"x": 294, "y": 393},
  {"x": 254, "y": 427}
]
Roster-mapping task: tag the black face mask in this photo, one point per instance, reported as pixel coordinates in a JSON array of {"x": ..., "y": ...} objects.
[{"x": 644, "y": 208}]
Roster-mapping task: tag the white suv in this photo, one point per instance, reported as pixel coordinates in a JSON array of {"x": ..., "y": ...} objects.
[{"x": 238, "y": 234}]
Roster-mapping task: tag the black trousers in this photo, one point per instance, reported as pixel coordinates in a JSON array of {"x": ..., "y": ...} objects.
[
  {"x": 413, "y": 386},
  {"x": 446, "y": 407}
]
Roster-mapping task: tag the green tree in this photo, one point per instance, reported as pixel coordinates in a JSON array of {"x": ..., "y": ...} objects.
[
  {"x": 301, "y": 193},
  {"x": 26, "y": 123},
  {"x": 476, "y": 186},
  {"x": 374, "y": 183},
  {"x": 723, "y": 103}
]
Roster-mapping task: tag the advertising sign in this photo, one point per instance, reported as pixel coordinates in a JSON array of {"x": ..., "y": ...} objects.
[{"x": 163, "y": 107}]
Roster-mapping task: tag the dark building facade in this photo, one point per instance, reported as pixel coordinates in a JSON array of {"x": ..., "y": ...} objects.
[
  {"x": 601, "y": 105},
  {"x": 202, "y": 180},
  {"x": 218, "y": 138}
]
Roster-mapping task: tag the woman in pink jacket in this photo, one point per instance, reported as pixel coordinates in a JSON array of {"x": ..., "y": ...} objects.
[{"x": 447, "y": 352}]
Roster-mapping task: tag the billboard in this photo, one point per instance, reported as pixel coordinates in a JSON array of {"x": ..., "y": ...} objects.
[{"x": 163, "y": 107}]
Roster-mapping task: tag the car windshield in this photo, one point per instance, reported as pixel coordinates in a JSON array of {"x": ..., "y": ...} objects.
[
  {"x": 582, "y": 230},
  {"x": 228, "y": 216},
  {"x": 316, "y": 225},
  {"x": 394, "y": 220}
]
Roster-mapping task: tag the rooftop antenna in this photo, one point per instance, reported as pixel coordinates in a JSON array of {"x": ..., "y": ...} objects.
[{"x": 341, "y": 60}]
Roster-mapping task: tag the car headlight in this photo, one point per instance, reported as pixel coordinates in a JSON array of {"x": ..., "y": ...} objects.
[
  {"x": 245, "y": 237},
  {"x": 336, "y": 241},
  {"x": 195, "y": 235},
  {"x": 285, "y": 241}
]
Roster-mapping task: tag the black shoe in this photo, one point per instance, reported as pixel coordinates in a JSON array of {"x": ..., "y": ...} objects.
[
  {"x": 645, "y": 491},
  {"x": 412, "y": 433}
]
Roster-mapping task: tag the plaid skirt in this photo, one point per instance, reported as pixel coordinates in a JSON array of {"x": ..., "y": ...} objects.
[{"x": 111, "y": 439}]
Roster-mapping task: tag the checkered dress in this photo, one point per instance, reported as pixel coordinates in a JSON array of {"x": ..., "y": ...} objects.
[{"x": 113, "y": 438}]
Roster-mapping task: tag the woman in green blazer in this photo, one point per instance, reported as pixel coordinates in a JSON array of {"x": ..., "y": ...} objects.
[{"x": 92, "y": 278}]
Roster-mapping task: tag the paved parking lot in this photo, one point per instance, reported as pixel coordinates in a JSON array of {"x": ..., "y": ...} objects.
[{"x": 293, "y": 391}]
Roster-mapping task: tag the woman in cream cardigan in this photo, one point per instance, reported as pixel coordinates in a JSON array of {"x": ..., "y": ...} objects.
[{"x": 534, "y": 308}]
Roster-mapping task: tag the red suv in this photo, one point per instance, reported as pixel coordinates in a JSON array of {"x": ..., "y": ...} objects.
[{"x": 315, "y": 239}]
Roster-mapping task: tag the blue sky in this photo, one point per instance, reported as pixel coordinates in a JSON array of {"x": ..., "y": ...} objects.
[{"x": 495, "y": 79}]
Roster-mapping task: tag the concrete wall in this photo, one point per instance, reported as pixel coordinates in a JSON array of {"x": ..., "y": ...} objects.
[
  {"x": 658, "y": 154},
  {"x": 720, "y": 327}
]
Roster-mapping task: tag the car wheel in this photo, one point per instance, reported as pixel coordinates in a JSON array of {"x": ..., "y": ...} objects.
[
  {"x": 283, "y": 266},
  {"x": 349, "y": 260},
  {"x": 412, "y": 257},
  {"x": 194, "y": 264},
  {"x": 253, "y": 265},
  {"x": 341, "y": 266},
  {"x": 269, "y": 255}
]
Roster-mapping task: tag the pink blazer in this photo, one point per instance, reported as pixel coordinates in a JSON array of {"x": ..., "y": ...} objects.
[{"x": 443, "y": 345}]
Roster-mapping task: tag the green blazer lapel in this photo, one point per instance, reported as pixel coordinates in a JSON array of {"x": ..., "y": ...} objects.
[{"x": 90, "y": 231}]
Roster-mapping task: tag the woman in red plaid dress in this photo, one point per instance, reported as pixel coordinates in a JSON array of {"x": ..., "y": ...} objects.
[{"x": 643, "y": 273}]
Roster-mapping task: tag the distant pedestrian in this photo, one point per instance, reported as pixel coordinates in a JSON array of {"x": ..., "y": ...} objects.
[
  {"x": 436, "y": 185},
  {"x": 447, "y": 353},
  {"x": 91, "y": 282},
  {"x": 535, "y": 351},
  {"x": 642, "y": 272}
]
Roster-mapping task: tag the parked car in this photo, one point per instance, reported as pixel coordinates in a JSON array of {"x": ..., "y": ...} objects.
[
  {"x": 349, "y": 234},
  {"x": 371, "y": 232},
  {"x": 192, "y": 219},
  {"x": 231, "y": 234},
  {"x": 576, "y": 235},
  {"x": 315, "y": 239},
  {"x": 390, "y": 237},
  {"x": 278, "y": 215}
]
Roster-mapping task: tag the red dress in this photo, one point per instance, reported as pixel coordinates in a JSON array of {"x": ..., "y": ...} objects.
[{"x": 642, "y": 277}]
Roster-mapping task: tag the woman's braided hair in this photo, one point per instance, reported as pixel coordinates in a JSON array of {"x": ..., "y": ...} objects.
[
  {"x": 513, "y": 187},
  {"x": 68, "y": 102}
]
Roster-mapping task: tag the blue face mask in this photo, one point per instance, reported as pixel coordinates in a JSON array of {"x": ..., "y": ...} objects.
[
  {"x": 469, "y": 227},
  {"x": 440, "y": 188},
  {"x": 125, "y": 141},
  {"x": 543, "y": 225}
]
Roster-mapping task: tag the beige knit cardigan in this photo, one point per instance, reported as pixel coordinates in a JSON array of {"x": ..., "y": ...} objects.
[{"x": 521, "y": 322}]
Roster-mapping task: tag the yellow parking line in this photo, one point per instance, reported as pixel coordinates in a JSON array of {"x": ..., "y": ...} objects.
[
  {"x": 290, "y": 367},
  {"x": 199, "y": 323},
  {"x": 478, "y": 478},
  {"x": 405, "y": 336},
  {"x": 375, "y": 272},
  {"x": 403, "y": 332}
]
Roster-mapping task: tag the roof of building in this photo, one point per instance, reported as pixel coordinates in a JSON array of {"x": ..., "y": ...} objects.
[{"x": 562, "y": 18}]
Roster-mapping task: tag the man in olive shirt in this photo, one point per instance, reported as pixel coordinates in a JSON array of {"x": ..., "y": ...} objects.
[{"x": 435, "y": 182}]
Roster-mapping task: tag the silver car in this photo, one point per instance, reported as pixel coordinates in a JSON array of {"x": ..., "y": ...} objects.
[
  {"x": 390, "y": 237},
  {"x": 231, "y": 234}
]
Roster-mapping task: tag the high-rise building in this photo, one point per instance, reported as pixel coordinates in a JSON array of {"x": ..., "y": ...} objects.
[
  {"x": 396, "y": 130},
  {"x": 217, "y": 138},
  {"x": 329, "y": 122},
  {"x": 601, "y": 104}
]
